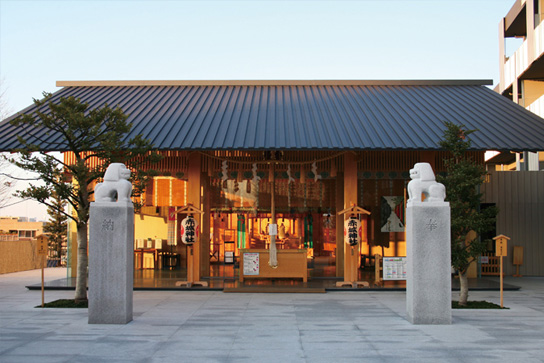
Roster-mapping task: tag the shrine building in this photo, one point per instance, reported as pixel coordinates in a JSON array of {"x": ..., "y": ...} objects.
[{"x": 282, "y": 159}]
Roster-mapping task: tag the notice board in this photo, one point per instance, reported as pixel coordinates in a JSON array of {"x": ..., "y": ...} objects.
[
  {"x": 394, "y": 268},
  {"x": 251, "y": 264}
]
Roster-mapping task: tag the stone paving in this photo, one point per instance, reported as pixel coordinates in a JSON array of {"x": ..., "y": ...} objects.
[{"x": 212, "y": 326}]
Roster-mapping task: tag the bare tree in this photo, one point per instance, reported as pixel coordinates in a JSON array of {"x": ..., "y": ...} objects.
[
  {"x": 6, "y": 184},
  {"x": 5, "y": 110}
]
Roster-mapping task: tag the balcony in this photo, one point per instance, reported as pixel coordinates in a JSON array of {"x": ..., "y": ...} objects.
[
  {"x": 519, "y": 62},
  {"x": 515, "y": 65}
]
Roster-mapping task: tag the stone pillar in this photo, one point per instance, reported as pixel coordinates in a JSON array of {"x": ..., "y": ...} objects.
[
  {"x": 428, "y": 254},
  {"x": 111, "y": 249},
  {"x": 111, "y": 263}
]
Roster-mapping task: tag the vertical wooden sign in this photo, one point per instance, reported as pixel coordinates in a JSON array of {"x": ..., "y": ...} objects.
[
  {"x": 501, "y": 250},
  {"x": 41, "y": 250}
]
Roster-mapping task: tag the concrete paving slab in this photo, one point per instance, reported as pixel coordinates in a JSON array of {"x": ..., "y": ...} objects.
[{"x": 210, "y": 326}]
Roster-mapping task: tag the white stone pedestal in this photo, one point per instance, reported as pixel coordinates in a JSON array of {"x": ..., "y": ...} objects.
[
  {"x": 428, "y": 284},
  {"x": 111, "y": 262}
]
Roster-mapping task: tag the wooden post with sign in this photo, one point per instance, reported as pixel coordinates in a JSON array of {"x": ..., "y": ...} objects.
[
  {"x": 351, "y": 259},
  {"x": 41, "y": 249},
  {"x": 501, "y": 250},
  {"x": 190, "y": 209}
]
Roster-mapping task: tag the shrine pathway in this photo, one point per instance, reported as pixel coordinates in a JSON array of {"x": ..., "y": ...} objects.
[{"x": 211, "y": 326}]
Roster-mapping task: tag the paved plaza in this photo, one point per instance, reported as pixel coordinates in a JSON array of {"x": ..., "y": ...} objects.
[{"x": 212, "y": 326}]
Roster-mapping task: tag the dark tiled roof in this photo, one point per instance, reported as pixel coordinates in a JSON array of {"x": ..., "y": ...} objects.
[{"x": 312, "y": 115}]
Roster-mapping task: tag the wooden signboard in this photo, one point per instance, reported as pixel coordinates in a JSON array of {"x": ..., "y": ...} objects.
[
  {"x": 41, "y": 249},
  {"x": 41, "y": 246},
  {"x": 501, "y": 246},
  {"x": 518, "y": 255},
  {"x": 501, "y": 250}
]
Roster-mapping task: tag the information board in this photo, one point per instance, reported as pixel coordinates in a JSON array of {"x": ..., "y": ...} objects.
[
  {"x": 41, "y": 246},
  {"x": 394, "y": 268},
  {"x": 501, "y": 247},
  {"x": 251, "y": 264}
]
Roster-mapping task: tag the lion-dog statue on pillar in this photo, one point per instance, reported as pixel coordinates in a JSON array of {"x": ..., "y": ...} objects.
[
  {"x": 424, "y": 183},
  {"x": 116, "y": 186}
]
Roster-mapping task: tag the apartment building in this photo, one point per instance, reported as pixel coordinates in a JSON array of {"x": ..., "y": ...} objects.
[
  {"x": 517, "y": 179},
  {"x": 19, "y": 228},
  {"x": 522, "y": 69}
]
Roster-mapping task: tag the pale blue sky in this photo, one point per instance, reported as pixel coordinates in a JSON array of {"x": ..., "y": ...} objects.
[{"x": 45, "y": 41}]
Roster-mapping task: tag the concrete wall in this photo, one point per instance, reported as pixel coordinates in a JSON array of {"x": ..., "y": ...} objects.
[
  {"x": 18, "y": 256},
  {"x": 519, "y": 195}
]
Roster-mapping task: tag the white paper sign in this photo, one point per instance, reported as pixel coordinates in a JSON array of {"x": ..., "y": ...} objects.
[
  {"x": 273, "y": 229},
  {"x": 251, "y": 264},
  {"x": 394, "y": 268}
]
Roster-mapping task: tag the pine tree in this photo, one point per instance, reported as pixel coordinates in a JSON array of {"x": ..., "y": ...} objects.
[
  {"x": 468, "y": 222},
  {"x": 57, "y": 225},
  {"x": 89, "y": 134}
]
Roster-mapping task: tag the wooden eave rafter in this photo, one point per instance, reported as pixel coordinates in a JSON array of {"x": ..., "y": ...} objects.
[
  {"x": 189, "y": 209},
  {"x": 354, "y": 210}
]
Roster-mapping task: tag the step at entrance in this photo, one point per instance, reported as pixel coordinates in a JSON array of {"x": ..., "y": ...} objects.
[{"x": 275, "y": 289}]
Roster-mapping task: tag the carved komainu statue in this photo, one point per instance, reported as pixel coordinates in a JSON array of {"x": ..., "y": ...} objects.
[
  {"x": 116, "y": 186},
  {"x": 424, "y": 182}
]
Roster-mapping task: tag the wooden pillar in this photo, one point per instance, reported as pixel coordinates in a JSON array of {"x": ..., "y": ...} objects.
[
  {"x": 339, "y": 225},
  {"x": 428, "y": 157},
  {"x": 205, "y": 230},
  {"x": 193, "y": 197},
  {"x": 351, "y": 254}
]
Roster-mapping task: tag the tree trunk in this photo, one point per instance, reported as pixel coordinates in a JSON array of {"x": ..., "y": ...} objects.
[
  {"x": 463, "y": 290},
  {"x": 82, "y": 263}
]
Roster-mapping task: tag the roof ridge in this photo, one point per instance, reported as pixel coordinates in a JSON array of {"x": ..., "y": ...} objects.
[{"x": 271, "y": 82}]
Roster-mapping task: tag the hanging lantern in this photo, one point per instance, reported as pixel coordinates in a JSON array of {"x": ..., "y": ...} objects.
[
  {"x": 189, "y": 230},
  {"x": 353, "y": 231}
]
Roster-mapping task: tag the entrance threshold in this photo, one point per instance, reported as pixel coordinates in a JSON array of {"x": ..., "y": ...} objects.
[
  {"x": 275, "y": 289},
  {"x": 314, "y": 285}
]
